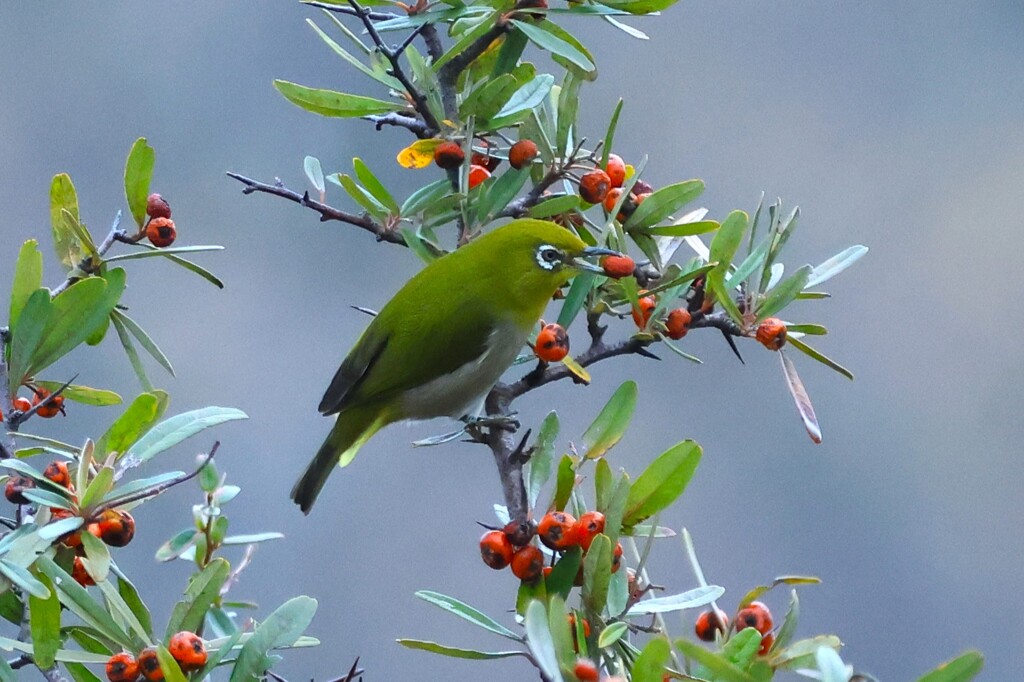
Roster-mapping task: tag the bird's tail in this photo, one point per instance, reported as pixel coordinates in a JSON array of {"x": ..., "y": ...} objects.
[{"x": 350, "y": 432}]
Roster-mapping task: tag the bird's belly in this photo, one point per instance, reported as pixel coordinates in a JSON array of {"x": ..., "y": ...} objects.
[{"x": 462, "y": 392}]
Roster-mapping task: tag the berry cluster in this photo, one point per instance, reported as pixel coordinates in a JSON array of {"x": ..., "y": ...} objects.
[
  {"x": 159, "y": 229},
  {"x": 449, "y": 155},
  {"x": 49, "y": 405},
  {"x": 187, "y": 648},
  {"x": 713, "y": 623},
  {"x": 115, "y": 527},
  {"x": 604, "y": 186},
  {"x": 559, "y": 531}
]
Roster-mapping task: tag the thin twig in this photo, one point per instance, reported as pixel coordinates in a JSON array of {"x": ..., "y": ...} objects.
[
  {"x": 339, "y": 9},
  {"x": 597, "y": 352},
  {"x": 399, "y": 120},
  {"x": 449, "y": 73},
  {"x": 157, "y": 489},
  {"x": 91, "y": 264},
  {"x": 327, "y": 213}
]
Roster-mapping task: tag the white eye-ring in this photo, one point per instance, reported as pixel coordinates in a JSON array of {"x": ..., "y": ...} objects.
[{"x": 548, "y": 257}]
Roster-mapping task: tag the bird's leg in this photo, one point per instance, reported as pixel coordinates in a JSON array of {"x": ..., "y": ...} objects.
[{"x": 505, "y": 422}]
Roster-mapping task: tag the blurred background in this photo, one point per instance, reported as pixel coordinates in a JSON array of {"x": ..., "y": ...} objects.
[{"x": 896, "y": 125}]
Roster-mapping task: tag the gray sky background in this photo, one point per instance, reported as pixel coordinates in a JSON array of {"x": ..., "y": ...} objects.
[{"x": 896, "y": 125}]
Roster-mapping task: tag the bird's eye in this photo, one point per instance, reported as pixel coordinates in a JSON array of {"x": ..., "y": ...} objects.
[{"x": 548, "y": 257}]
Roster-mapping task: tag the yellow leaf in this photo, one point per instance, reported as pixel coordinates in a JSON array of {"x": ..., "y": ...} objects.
[
  {"x": 576, "y": 368},
  {"x": 419, "y": 154}
]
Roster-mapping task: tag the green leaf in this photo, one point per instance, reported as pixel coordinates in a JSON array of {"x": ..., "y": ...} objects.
[
  {"x": 374, "y": 186},
  {"x": 118, "y": 606},
  {"x": 426, "y": 196},
  {"x": 526, "y": 97},
  {"x": 26, "y": 337},
  {"x": 831, "y": 666},
  {"x": 55, "y": 529},
  {"x": 163, "y": 252},
  {"x": 836, "y": 264},
  {"x": 691, "y": 599},
  {"x": 616, "y": 508},
  {"x": 602, "y": 483},
  {"x": 539, "y": 464},
  {"x": 785, "y": 633},
  {"x": 554, "y": 206},
  {"x": 169, "y": 666},
  {"x": 487, "y": 99},
  {"x": 331, "y": 103},
  {"x": 97, "y": 557},
  {"x": 564, "y": 482},
  {"x": 681, "y": 229},
  {"x": 360, "y": 195},
  {"x": 484, "y": 23},
  {"x": 77, "y": 600},
  {"x": 800, "y": 654},
  {"x": 203, "y": 589},
  {"x": 98, "y": 487},
  {"x": 612, "y": 634},
  {"x": 133, "y": 355},
  {"x": 800, "y": 397},
  {"x": 28, "y": 276},
  {"x": 722, "y": 670},
  {"x": 20, "y": 576},
  {"x": 85, "y": 395},
  {"x": 572, "y": 60},
  {"x": 250, "y": 538},
  {"x": 561, "y": 634},
  {"x": 135, "y": 421},
  {"x": 662, "y": 482},
  {"x": 170, "y": 432},
  {"x": 539, "y": 639},
  {"x": 138, "y": 172},
  {"x": 597, "y": 571},
  {"x": 64, "y": 198},
  {"x": 144, "y": 340},
  {"x": 756, "y": 592},
  {"x": 455, "y": 652},
  {"x": 187, "y": 264},
  {"x": 639, "y": 6},
  {"x": 663, "y": 202},
  {"x": 576, "y": 299},
  {"x": 784, "y": 293},
  {"x": 809, "y": 329},
  {"x": 819, "y": 356},
  {"x": 563, "y": 575},
  {"x": 177, "y": 545},
  {"x": 466, "y": 612},
  {"x": 568, "y": 108},
  {"x": 48, "y": 498},
  {"x": 964, "y": 667},
  {"x": 281, "y": 628},
  {"x": 130, "y": 596},
  {"x": 499, "y": 193},
  {"x": 723, "y": 248},
  {"x": 611, "y": 423},
  {"x": 7, "y": 673},
  {"x": 650, "y": 664},
  {"x": 385, "y": 79}
]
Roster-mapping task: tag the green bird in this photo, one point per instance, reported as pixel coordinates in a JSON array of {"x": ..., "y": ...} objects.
[{"x": 438, "y": 347}]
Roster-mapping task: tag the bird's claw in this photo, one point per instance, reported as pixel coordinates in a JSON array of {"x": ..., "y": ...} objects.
[{"x": 505, "y": 422}]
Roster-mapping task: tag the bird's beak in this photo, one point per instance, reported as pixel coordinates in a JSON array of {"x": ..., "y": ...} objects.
[{"x": 581, "y": 264}]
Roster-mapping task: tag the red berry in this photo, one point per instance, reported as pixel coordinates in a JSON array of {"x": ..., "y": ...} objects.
[
  {"x": 58, "y": 473},
  {"x": 594, "y": 186},
  {"x": 50, "y": 409},
  {"x": 160, "y": 232},
  {"x": 556, "y": 530},
  {"x": 552, "y": 343},
  {"x": 617, "y": 557},
  {"x": 149, "y": 664},
  {"x": 495, "y": 549},
  {"x": 678, "y": 323},
  {"x": 612, "y": 198},
  {"x": 618, "y": 267},
  {"x": 528, "y": 563},
  {"x": 157, "y": 206},
  {"x": 449, "y": 155},
  {"x": 81, "y": 575},
  {"x": 588, "y": 527},
  {"x": 586, "y": 671},
  {"x": 771, "y": 333},
  {"x": 755, "y": 615},
  {"x": 572, "y": 628},
  {"x": 522, "y": 154},
  {"x": 710, "y": 622},
  {"x": 122, "y": 667},
  {"x": 15, "y": 486},
  {"x": 642, "y": 311},
  {"x": 188, "y": 650},
  {"x": 477, "y": 174},
  {"x": 766, "y": 644},
  {"x": 116, "y": 527},
  {"x": 616, "y": 170},
  {"x": 22, "y": 404},
  {"x": 519, "y": 533}
]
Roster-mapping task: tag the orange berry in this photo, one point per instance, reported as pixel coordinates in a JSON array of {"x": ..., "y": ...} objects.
[
  {"x": 116, "y": 527},
  {"x": 556, "y": 530},
  {"x": 496, "y": 549},
  {"x": 640, "y": 198},
  {"x": 519, "y": 533},
  {"x": 552, "y": 343},
  {"x": 594, "y": 186},
  {"x": 755, "y": 615},
  {"x": 449, "y": 155},
  {"x": 528, "y": 563},
  {"x": 477, "y": 174},
  {"x": 588, "y": 527},
  {"x": 122, "y": 667},
  {"x": 616, "y": 170},
  {"x": 81, "y": 575},
  {"x": 157, "y": 206},
  {"x": 15, "y": 486},
  {"x": 188, "y": 650},
  {"x": 710, "y": 622},
  {"x": 642, "y": 311},
  {"x": 547, "y": 571},
  {"x": 572, "y": 629},
  {"x": 22, "y": 404},
  {"x": 771, "y": 333},
  {"x": 617, "y": 557},
  {"x": 58, "y": 473},
  {"x": 611, "y": 198},
  {"x": 149, "y": 665},
  {"x": 522, "y": 154},
  {"x": 50, "y": 409},
  {"x": 160, "y": 232},
  {"x": 618, "y": 267},
  {"x": 766, "y": 644},
  {"x": 586, "y": 671},
  {"x": 678, "y": 323}
]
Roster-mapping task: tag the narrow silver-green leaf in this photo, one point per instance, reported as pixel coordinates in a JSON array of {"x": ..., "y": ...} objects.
[{"x": 138, "y": 172}]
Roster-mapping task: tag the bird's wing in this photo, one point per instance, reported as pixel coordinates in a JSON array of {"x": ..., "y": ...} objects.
[{"x": 401, "y": 351}]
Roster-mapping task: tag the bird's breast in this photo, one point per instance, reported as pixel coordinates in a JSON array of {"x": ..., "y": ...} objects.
[{"x": 462, "y": 391}]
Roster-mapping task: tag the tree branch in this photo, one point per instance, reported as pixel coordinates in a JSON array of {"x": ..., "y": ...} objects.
[
  {"x": 348, "y": 11},
  {"x": 449, "y": 73},
  {"x": 415, "y": 125},
  {"x": 327, "y": 213}
]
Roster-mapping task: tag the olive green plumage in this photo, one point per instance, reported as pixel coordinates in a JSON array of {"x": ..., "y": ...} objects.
[{"x": 443, "y": 341}]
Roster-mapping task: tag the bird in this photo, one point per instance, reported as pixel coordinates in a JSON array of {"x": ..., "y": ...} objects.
[{"x": 444, "y": 340}]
